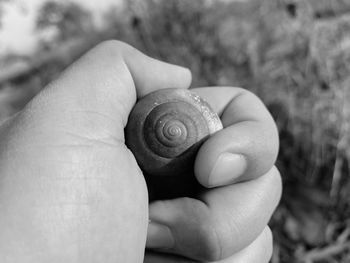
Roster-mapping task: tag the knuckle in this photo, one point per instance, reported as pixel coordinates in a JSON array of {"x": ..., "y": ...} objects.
[
  {"x": 271, "y": 128},
  {"x": 112, "y": 45},
  {"x": 273, "y": 182},
  {"x": 275, "y": 172},
  {"x": 209, "y": 247},
  {"x": 269, "y": 142},
  {"x": 273, "y": 141},
  {"x": 113, "y": 49},
  {"x": 268, "y": 237},
  {"x": 204, "y": 235},
  {"x": 266, "y": 133},
  {"x": 267, "y": 242},
  {"x": 276, "y": 179},
  {"x": 247, "y": 93}
]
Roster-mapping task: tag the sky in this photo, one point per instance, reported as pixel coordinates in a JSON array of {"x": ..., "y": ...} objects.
[{"x": 17, "y": 34}]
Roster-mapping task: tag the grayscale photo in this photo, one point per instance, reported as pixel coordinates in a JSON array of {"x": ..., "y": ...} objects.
[{"x": 175, "y": 131}]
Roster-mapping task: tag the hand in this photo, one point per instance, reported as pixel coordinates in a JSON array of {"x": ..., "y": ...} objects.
[
  {"x": 70, "y": 191},
  {"x": 228, "y": 222}
]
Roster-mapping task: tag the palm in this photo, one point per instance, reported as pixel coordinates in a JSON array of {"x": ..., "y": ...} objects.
[{"x": 58, "y": 181}]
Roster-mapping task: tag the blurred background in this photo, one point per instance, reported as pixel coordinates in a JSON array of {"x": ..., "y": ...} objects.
[{"x": 294, "y": 54}]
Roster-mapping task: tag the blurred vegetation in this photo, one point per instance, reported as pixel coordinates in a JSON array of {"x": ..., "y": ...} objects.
[
  {"x": 295, "y": 55},
  {"x": 65, "y": 20}
]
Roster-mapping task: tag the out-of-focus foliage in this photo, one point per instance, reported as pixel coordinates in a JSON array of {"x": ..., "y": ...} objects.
[
  {"x": 1, "y": 8},
  {"x": 66, "y": 20},
  {"x": 294, "y": 54}
]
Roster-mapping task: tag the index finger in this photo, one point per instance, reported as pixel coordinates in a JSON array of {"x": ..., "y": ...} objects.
[{"x": 246, "y": 148}]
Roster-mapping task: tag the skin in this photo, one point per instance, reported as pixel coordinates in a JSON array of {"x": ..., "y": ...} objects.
[{"x": 71, "y": 191}]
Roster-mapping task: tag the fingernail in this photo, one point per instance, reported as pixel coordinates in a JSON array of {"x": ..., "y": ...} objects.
[
  {"x": 227, "y": 169},
  {"x": 159, "y": 236}
]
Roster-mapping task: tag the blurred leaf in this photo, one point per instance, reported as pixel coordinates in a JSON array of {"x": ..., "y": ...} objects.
[{"x": 67, "y": 20}]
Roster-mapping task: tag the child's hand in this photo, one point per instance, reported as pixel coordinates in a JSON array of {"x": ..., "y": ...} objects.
[
  {"x": 236, "y": 164},
  {"x": 70, "y": 191}
]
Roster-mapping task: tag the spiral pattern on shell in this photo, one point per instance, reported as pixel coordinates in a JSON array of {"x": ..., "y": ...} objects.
[{"x": 166, "y": 128}]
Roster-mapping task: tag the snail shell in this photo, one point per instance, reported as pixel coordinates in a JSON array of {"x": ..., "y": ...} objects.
[{"x": 165, "y": 130}]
